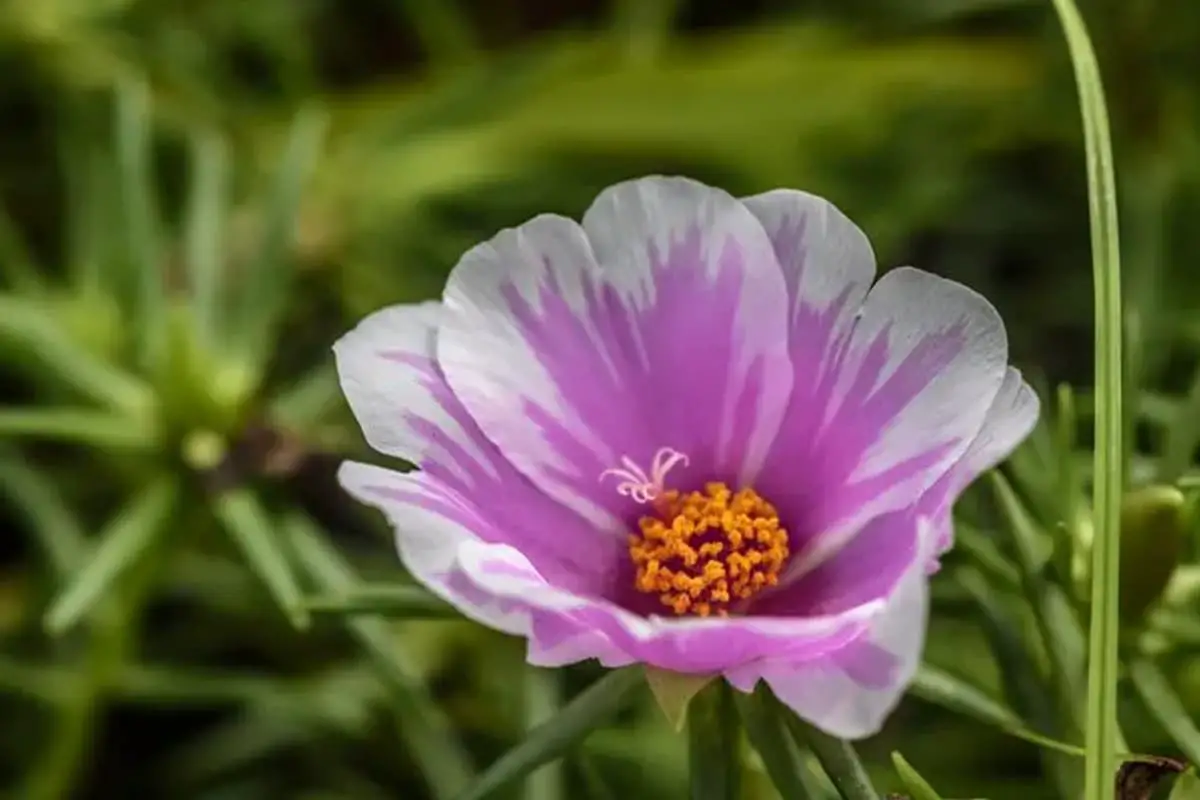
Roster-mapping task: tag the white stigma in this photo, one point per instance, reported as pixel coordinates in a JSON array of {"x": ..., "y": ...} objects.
[{"x": 635, "y": 483}]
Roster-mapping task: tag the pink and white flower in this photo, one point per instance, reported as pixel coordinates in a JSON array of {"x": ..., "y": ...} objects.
[{"x": 689, "y": 432}]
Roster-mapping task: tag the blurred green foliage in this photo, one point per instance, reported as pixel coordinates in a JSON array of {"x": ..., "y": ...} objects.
[{"x": 201, "y": 196}]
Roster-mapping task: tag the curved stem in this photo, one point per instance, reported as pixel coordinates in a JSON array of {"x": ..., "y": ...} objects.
[{"x": 714, "y": 765}]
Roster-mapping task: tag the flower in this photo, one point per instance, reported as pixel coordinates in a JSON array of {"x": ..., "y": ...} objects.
[{"x": 689, "y": 433}]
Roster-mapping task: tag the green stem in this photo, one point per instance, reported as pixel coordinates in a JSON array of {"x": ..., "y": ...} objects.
[
  {"x": 1102, "y": 731},
  {"x": 838, "y": 759},
  {"x": 714, "y": 767}
]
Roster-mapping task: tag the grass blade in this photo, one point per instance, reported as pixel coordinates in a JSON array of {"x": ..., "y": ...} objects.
[
  {"x": 135, "y": 184},
  {"x": 204, "y": 234},
  {"x": 837, "y": 757},
  {"x": 578, "y": 718},
  {"x": 714, "y": 757},
  {"x": 542, "y": 701},
  {"x": 939, "y": 687},
  {"x": 427, "y": 732},
  {"x": 83, "y": 426},
  {"x": 396, "y": 602},
  {"x": 260, "y": 301},
  {"x": 916, "y": 785},
  {"x": 38, "y": 334},
  {"x": 1109, "y": 455},
  {"x": 121, "y": 544},
  {"x": 770, "y": 738},
  {"x": 253, "y": 531},
  {"x": 60, "y": 533},
  {"x": 1165, "y": 706}
]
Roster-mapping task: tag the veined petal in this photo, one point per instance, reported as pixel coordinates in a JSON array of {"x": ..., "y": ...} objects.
[
  {"x": 911, "y": 389},
  {"x": 660, "y": 323},
  {"x": 850, "y": 693}
]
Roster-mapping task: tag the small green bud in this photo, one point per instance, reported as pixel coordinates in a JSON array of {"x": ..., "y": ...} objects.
[{"x": 1154, "y": 524}]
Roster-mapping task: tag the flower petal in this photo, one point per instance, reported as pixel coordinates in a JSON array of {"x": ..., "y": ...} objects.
[
  {"x": 850, "y": 693},
  {"x": 828, "y": 265},
  {"x": 910, "y": 392},
  {"x": 664, "y": 325},
  {"x": 1012, "y": 417},
  {"x": 867, "y": 569},
  {"x": 406, "y": 409}
]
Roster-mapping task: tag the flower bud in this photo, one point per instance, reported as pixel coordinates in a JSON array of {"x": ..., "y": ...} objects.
[{"x": 1154, "y": 524}]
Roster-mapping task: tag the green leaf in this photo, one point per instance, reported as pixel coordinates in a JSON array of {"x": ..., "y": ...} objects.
[
  {"x": 674, "y": 692},
  {"x": 425, "y": 729},
  {"x": 135, "y": 184},
  {"x": 1102, "y": 734},
  {"x": 542, "y": 702},
  {"x": 121, "y": 544},
  {"x": 305, "y": 402},
  {"x": 937, "y": 686},
  {"x": 395, "y": 602},
  {"x": 204, "y": 234},
  {"x": 579, "y": 717},
  {"x": 837, "y": 757},
  {"x": 261, "y": 301},
  {"x": 714, "y": 755},
  {"x": 1165, "y": 706},
  {"x": 67, "y": 362},
  {"x": 59, "y": 532},
  {"x": 83, "y": 426},
  {"x": 443, "y": 29},
  {"x": 916, "y": 785},
  {"x": 1187, "y": 786},
  {"x": 770, "y": 738},
  {"x": 255, "y": 534}
]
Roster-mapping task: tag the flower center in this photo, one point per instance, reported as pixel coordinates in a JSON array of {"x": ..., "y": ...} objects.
[{"x": 703, "y": 551}]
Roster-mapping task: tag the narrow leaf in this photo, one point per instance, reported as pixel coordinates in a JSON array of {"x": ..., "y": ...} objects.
[
  {"x": 1102, "y": 733},
  {"x": 80, "y": 426},
  {"x": 837, "y": 757},
  {"x": 135, "y": 182},
  {"x": 204, "y": 235},
  {"x": 253, "y": 531},
  {"x": 59, "y": 531},
  {"x": 426, "y": 731},
  {"x": 916, "y": 785},
  {"x": 542, "y": 702},
  {"x": 121, "y": 544},
  {"x": 579, "y": 717},
  {"x": 714, "y": 757},
  {"x": 67, "y": 362},
  {"x": 308, "y": 400},
  {"x": 1165, "y": 706},
  {"x": 770, "y": 738},
  {"x": 1187, "y": 786},
  {"x": 937, "y": 686},
  {"x": 260, "y": 303}
]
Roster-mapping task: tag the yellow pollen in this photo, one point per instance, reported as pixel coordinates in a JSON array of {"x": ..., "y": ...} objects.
[{"x": 702, "y": 552}]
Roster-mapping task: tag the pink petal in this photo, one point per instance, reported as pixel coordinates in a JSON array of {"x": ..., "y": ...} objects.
[
  {"x": 661, "y": 322},
  {"x": 850, "y": 693},
  {"x": 1011, "y": 418},
  {"x": 407, "y": 410},
  {"x": 906, "y": 393}
]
